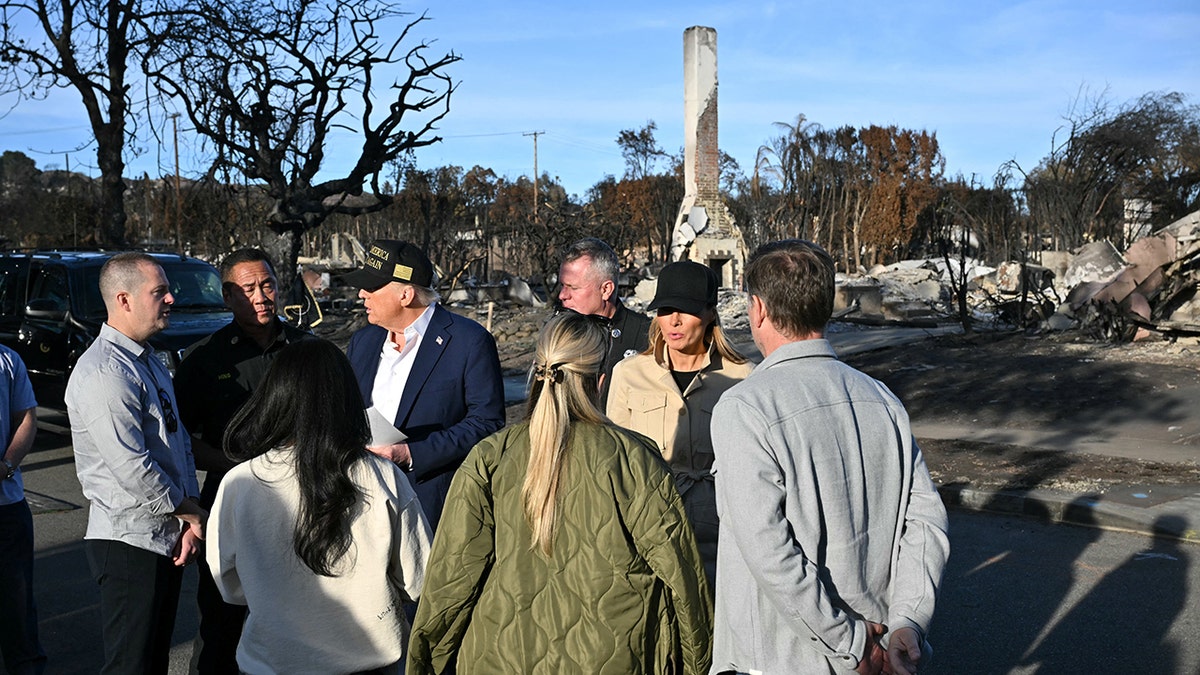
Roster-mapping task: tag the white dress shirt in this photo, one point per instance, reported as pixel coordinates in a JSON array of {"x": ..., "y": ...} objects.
[{"x": 395, "y": 364}]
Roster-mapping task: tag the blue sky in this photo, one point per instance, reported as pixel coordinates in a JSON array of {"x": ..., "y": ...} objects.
[{"x": 992, "y": 79}]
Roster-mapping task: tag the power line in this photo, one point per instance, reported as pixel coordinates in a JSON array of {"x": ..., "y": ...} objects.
[
  {"x": 557, "y": 138},
  {"x": 583, "y": 144},
  {"x": 27, "y": 132},
  {"x": 498, "y": 133}
]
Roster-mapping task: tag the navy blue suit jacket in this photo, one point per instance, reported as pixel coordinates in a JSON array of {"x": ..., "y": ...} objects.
[{"x": 453, "y": 399}]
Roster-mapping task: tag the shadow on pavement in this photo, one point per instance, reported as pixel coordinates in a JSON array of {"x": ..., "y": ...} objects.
[
  {"x": 69, "y": 615},
  {"x": 997, "y": 598},
  {"x": 1150, "y": 590}
]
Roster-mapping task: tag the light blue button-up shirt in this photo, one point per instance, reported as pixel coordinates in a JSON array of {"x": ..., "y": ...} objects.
[
  {"x": 16, "y": 396},
  {"x": 133, "y": 470}
]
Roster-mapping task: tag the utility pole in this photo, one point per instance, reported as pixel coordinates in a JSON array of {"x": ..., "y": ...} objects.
[
  {"x": 535, "y": 134},
  {"x": 178, "y": 207},
  {"x": 74, "y": 214}
]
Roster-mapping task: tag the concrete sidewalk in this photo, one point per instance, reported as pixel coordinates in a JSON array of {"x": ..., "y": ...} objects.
[{"x": 1156, "y": 510}]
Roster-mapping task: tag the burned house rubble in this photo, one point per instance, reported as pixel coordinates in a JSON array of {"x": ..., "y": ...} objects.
[
  {"x": 1146, "y": 290},
  {"x": 1150, "y": 288}
]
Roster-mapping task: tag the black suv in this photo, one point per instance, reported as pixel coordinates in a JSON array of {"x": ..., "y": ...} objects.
[{"x": 51, "y": 310}]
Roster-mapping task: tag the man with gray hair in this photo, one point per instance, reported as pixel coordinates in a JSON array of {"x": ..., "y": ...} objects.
[
  {"x": 134, "y": 462},
  {"x": 832, "y": 537},
  {"x": 588, "y": 282},
  {"x": 432, "y": 373}
]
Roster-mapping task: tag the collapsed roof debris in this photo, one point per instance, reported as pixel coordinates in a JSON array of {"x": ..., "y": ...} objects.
[{"x": 1149, "y": 288}]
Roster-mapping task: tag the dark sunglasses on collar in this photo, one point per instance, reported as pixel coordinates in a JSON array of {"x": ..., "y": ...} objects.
[{"x": 164, "y": 400}]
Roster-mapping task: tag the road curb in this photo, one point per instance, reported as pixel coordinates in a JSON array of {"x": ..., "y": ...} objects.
[{"x": 1174, "y": 520}]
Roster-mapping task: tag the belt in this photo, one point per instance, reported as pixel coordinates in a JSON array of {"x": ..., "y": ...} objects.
[{"x": 686, "y": 478}]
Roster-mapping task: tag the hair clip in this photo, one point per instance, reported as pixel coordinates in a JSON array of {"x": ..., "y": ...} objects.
[{"x": 552, "y": 373}]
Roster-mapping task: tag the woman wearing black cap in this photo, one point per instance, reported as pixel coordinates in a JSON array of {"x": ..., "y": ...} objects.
[{"x": 668, "y": 391}]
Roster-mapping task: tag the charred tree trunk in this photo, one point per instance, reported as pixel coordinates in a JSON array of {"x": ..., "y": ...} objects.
[
  {"x": 112, "y": 191},
  {"x": 299, "y": 306},
  {"x": 284, "y": 249}
]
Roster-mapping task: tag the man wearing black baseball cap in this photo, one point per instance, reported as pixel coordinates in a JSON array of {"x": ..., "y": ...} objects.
[{"x": 434, "y": 373}]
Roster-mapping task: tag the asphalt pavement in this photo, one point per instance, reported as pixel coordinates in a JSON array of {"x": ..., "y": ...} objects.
[{"x": 1022, "y": 597}]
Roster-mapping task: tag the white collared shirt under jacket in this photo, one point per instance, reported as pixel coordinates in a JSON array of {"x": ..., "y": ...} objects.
[
  {"x": 828, "y": 516},
  {"x": 396, "y": 364}
]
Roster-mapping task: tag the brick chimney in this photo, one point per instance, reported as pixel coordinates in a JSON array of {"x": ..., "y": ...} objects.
[{"x": 704, "y": 229}]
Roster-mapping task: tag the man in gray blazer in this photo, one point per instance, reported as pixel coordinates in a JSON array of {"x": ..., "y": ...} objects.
[{"x": 832, "y": 538}]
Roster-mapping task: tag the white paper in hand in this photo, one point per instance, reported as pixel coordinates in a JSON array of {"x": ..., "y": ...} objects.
[{"x": 382, "y": 430}]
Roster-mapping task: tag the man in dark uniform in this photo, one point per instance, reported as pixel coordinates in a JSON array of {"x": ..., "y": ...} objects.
[
  {"x": 216, "y": 377},
  {"x": 588, "y": 281}
]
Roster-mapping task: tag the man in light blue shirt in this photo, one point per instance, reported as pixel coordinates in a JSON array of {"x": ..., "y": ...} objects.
[
  {"x": 134, "y": 461},
  {"x": 18, "y": 616}
]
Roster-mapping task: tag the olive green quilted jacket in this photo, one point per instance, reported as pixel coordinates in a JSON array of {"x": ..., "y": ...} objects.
[{"x": 622, "y": 592}]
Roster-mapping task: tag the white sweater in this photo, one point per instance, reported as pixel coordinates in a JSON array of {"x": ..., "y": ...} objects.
[{"x": 300, "y": 622}]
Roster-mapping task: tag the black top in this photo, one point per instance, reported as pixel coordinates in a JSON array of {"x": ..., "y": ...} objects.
[
  {"x": 217, "y": 375},
  {"x": 630, "y": 335},
  {"x": 683, "y": 378}
]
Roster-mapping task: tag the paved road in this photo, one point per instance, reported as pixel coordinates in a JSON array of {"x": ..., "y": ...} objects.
[
  {"x": 1022, "y": 597},
  {"x": 1019, "y": 597}
]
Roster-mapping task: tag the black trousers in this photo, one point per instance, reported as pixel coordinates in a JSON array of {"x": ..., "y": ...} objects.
[
  {"x": 215, "y": 649},
  {"x": 18, "y": 615},
  {"x": 139, "y": 593}
]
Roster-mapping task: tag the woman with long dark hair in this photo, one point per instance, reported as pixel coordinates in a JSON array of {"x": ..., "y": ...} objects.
[
  {"x": 322, "y": 540},
  {"x": 563, "y": 547}
]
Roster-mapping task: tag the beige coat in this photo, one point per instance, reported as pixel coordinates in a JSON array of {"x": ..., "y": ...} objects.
[{"x": 643, "y": 397}]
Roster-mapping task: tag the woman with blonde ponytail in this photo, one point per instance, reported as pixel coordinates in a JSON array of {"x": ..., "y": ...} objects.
[{"x": 564, "y": 547}]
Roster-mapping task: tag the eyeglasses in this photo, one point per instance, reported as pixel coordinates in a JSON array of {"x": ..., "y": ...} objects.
[{"x": 168, "y": 411}]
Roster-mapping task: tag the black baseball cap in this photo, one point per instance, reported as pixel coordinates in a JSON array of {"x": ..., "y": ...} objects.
[
  {"x": 686, "y": 286},
  {"x": 391, "y": 260}
]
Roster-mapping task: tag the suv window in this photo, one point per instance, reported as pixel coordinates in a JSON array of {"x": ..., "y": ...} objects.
[
  {"x": 50, "y": 283},
  {"x": 194, "y": 286},
  {"x": 88, "y": 302},
  {"x": 8, "y": 289}
]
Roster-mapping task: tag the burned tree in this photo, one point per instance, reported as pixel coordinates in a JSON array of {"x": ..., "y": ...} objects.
[
  {"x": 87, "y": 47},
  {"x": 1104, "y": 155},
  {"x": 269, "y": 84}
]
